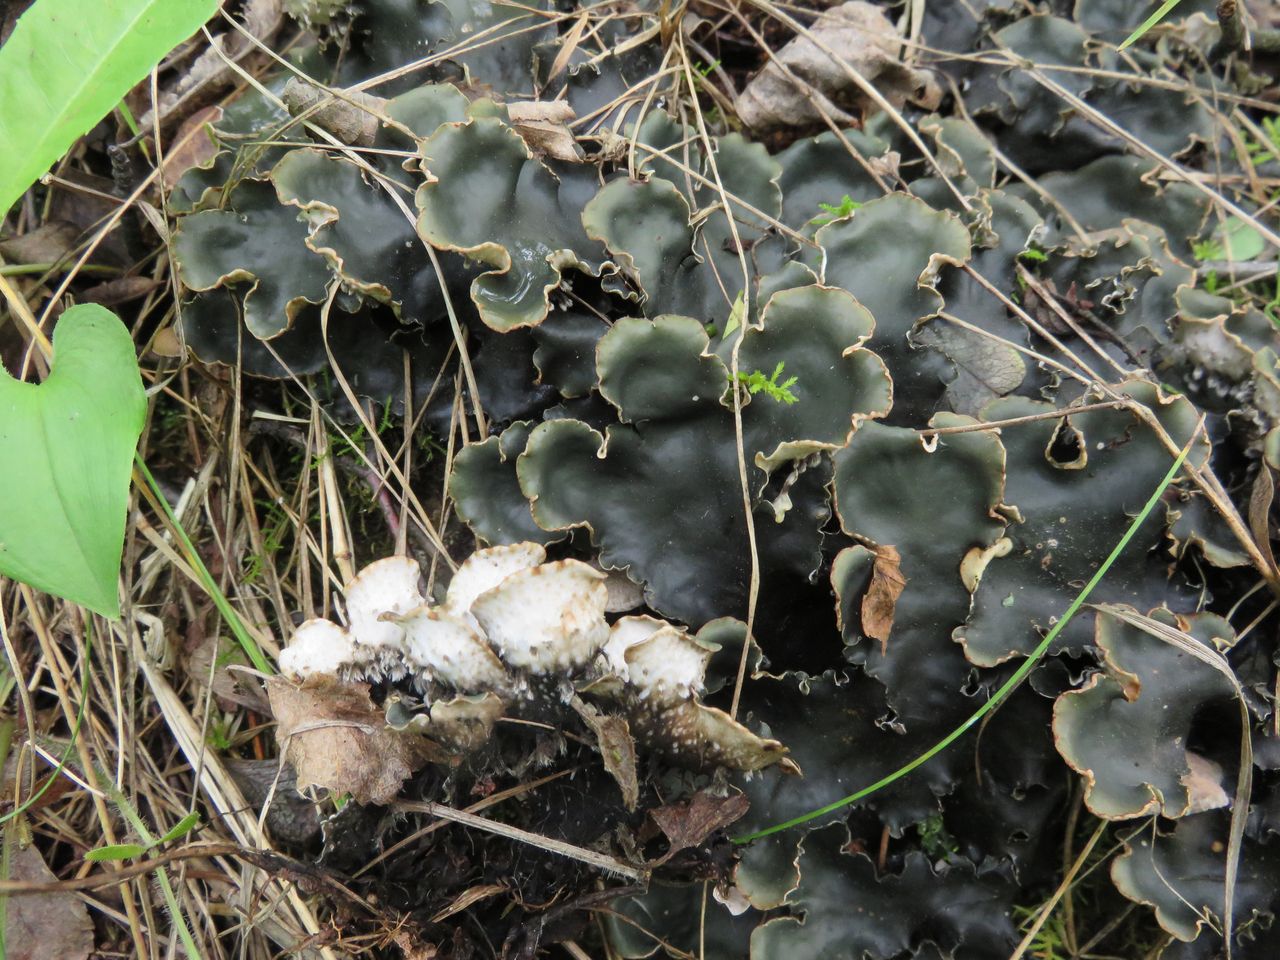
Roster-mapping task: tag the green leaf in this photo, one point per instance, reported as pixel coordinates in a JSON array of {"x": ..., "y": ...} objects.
[
  {"x": 1238, "y": 240},
  {"x": 66, "y": 66},
  {"x": 735, "y": 315},
  {"x": 116, "y": 851},
  {"x": 181, "y": 828},
  {"x": 66, "y": 455}
]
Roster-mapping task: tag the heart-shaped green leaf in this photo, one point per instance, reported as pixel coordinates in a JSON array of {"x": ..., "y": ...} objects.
[{"x": 66, "y": 455}]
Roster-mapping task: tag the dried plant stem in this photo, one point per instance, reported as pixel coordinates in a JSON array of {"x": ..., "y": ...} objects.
[
  {"x": 1046, "y": 911},
  {"x": 1018, "y": 421},
  {"x": 1178, "y": 172},
  {"x": 581, "y": 854},
  {"x": 753, "y": 587},
  {"x": 1043, "y": 292}
]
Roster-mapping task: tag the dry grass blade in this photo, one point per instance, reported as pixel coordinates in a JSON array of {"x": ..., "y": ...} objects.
[
  {"x": 1244, "y": 780},
  {"x": 1047, "y": 910},
  {"x": 611, "y": 865}
]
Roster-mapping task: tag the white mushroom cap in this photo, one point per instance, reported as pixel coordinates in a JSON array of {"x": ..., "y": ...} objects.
[
  {"x": 385, "y": 586},
  {"x": 318, "y": 646},
  {"x": 550, "y": 617},
  {"x": 484, "y": 570},
  {"x": 449, "y": 650},
  {"x": 669, "y": 665}
]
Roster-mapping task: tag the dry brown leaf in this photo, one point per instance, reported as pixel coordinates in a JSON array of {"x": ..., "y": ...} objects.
[
  {"x": 347, "y": 119},
  {"x": 112, "y": 293},
  {"x": 861, "y": 36},
  {"x": 43, "y": 926},
  {"x": 881, "y": 600},
  {"x": 543, "y": 125},
  {"x": 617, "y": 748},
  {"x": 192, "y": 144},
  {"x": 540, "y": 111},
  {"x": 50, "y": 242},
  {"x": 334, "y": 737},
  {"x": 688, "y": 824}
]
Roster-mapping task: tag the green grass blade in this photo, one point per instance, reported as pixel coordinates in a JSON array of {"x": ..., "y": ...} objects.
[
  {"x": 66, "y": 66},
  {"x": 249, "y": 645},
  {"x": 1019, "y": 675},
  {"x": 71, "y": 745},
  {"x": 1148, "y": 23},
  {"x": 126, "y": 850}
]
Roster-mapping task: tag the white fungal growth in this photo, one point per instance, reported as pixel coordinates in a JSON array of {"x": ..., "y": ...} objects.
[
  {"x": 505, "y": 610},
  {"x": 668, "y": 666},
  {"x": 318, "y": 646},
  {"x": 625, "y": 634},
  {"x": 442, "y": 646},
  {"x": 385, "y": 586},
  {"x": 549, "y": 618},
  {"x": 510, "y": 617},
  {"x": 484, "y": 570}
]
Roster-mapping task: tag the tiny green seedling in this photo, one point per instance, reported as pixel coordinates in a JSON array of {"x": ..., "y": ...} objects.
[
  {"x": 1234, "y": 240},
  {"x": 757, "y": 382},
  {"x": 1263, "y": 151},
  {"x": 128, "y": 851},
  {"x": 835, "y": 211}
]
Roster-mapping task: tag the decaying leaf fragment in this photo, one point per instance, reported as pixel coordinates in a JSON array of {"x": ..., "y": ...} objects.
[
  {"x": 334, "y": 737},
  {"x": 45, "y": 926},
  {"x": 688, "y": 824},
  {"x": 352, "y": 116},
  {"x": 617, "y": 748},
  {"x": 543, "y": 125},
  {"x": 854, "y": 38},
  {"x": 887, "y": 584}
]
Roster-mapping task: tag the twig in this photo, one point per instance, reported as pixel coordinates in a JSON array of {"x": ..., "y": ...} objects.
[{"x": 1235, "y": 35}]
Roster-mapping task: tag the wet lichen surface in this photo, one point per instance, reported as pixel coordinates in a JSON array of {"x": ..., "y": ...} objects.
[{"x": 782, "y": 447}]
